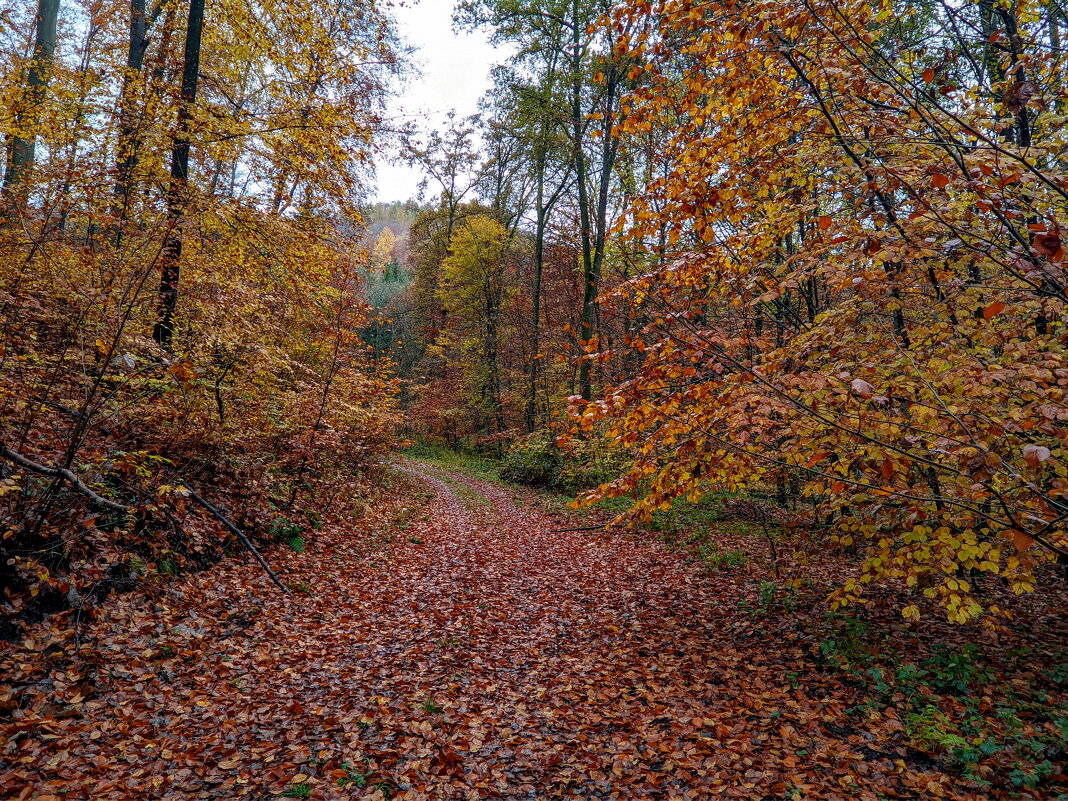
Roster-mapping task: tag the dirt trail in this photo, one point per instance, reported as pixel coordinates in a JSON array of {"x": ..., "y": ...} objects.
[{"x": 478, "y": 656}]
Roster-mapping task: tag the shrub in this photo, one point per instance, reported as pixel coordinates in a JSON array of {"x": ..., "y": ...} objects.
[{"x": 537, "y": 460}]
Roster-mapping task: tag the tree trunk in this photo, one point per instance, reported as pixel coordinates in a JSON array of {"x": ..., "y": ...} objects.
[
  {"x": 127, "y": 151},
  {"x": 535, "y": 320},
  {"x": 177, "y": 193},
  {"x": 589, "y": 278},
  {"x": 24, "y": 143}
]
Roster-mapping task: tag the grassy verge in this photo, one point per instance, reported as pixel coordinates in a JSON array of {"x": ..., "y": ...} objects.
[{"x": 469, "y": 462}]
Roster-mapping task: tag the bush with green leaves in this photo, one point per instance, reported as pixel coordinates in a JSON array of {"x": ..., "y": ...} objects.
[{"x": 537, "y": 460}]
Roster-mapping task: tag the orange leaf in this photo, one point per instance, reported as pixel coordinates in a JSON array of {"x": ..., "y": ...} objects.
[
  {"x": 1021, "y": 541},
  {"x": 887, "y": 469},
  {"x": 939, "y": 180},
  {"x": 928, "y": 75},
  {"x": 997, "y": 307},
  {"x": 824, "y": 222}
]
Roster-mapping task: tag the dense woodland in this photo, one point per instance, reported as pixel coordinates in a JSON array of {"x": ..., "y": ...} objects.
[
  {"x": 797, "y": 262},
  {"x": 809, "y": 251}
]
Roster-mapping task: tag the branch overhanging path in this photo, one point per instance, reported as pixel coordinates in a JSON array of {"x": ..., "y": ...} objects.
[{"x": 476, "y": 652}]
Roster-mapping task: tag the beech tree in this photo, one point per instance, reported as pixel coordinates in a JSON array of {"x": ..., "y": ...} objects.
[
  {"x": 22, "y": 151},
  {"x": 862, "y": 286}
]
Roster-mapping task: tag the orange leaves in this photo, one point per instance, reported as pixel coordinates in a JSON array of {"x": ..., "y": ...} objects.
[
  {"x": 994, "y": 309},
  {"x": 495, "y": 658},
  {"x": 1049, "y": 245},
  {"x": 1021, "y": 541},
  {"x": 824, "y": 222},
  {"x": 939, "y": 180},
  {"x": 182, "y": 372}
]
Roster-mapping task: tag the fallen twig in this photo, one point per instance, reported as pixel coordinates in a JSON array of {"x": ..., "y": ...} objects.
[
  {"x": 67, "y": 475},
  {"x": 240, "y": 535}
]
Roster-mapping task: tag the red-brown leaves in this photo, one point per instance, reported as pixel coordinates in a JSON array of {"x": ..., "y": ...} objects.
[
  {"x": 1035, "y": 455},
  {"x": 451, "y": 649},
  {"x": 994, "y": 309},
  {"x": 1017, "y": 96}
]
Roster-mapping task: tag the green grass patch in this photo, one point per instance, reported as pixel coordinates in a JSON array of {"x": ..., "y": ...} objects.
[{"x": 469, "y": 462}]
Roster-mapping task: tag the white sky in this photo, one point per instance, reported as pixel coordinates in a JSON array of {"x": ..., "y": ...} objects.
[{"x": 455, "y": 71}]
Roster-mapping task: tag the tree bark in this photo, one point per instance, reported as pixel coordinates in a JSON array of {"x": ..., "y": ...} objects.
[
  {"x": 23, "y": 149},
  {"x": 589, "y": 278},
  {"x": 127, "y": 151},
  {"x": 177, "y": 193}
]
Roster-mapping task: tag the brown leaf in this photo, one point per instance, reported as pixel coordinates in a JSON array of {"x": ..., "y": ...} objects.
[
  {"x": 861, "y": 387},
  {"x": 1035, "y": 455},
  {"x": 1021, "y": 541},
  {"x": 1017, "y": 96}
]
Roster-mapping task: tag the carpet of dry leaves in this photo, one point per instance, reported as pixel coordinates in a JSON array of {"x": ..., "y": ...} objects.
[{"x": 448, "y": 646}]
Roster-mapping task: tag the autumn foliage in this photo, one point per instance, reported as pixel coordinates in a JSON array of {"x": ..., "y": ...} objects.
[
  {"x": 856, "y": 280},
  {"x": 255, "y": 389}
]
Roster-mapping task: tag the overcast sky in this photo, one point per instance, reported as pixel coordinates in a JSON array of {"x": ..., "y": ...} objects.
[{"x": 455, "y": 71}]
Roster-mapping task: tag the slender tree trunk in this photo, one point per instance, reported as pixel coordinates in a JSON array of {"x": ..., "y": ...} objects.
[
  {"x": 535, "y": 318},
  {"x": 595, "y": 258},
  {"x": 24, "y": 143},
  {"x": 589, "y": 278},
  {"x": 494, "y": 385},
  {"x": 177, "y": 193},
  {"x": 127, "y": 151}
]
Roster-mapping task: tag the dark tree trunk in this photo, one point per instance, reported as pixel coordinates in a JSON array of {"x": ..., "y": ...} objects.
[
  {"x": 24, "y": 144},
  {"x": 177, "y": 193},
  {"x": 589, "y": 278},
  {"x": 128, "y": 123}
]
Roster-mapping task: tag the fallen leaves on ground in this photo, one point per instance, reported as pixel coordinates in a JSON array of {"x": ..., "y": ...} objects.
[{"x": 451, "y": 647}]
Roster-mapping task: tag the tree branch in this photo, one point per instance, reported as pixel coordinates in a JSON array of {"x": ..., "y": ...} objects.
[
  {"x": 239, "y": 534},
  {"x": 67, "y": 475},
  {"x": 98, "y": 500}
]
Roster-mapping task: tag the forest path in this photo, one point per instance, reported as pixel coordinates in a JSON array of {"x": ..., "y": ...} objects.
[{"x": 477, "y": 654}]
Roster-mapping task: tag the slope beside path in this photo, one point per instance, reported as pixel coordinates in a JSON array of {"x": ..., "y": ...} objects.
[{"x": 466, "y": 650}]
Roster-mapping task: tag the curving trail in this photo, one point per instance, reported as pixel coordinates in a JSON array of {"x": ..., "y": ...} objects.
[{"x": 477, "y": 656}]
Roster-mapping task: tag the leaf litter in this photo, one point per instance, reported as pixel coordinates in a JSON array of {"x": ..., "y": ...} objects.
[{"x": 448, "y": 646}]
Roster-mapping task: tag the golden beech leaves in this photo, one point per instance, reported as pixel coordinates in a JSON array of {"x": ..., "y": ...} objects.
[
  {"x": 943, "y": 285},
  {"x": 266, "y": 391}
]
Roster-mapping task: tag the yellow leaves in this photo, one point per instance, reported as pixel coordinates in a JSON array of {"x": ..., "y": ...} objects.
[{"x": 911, "y": 612}]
